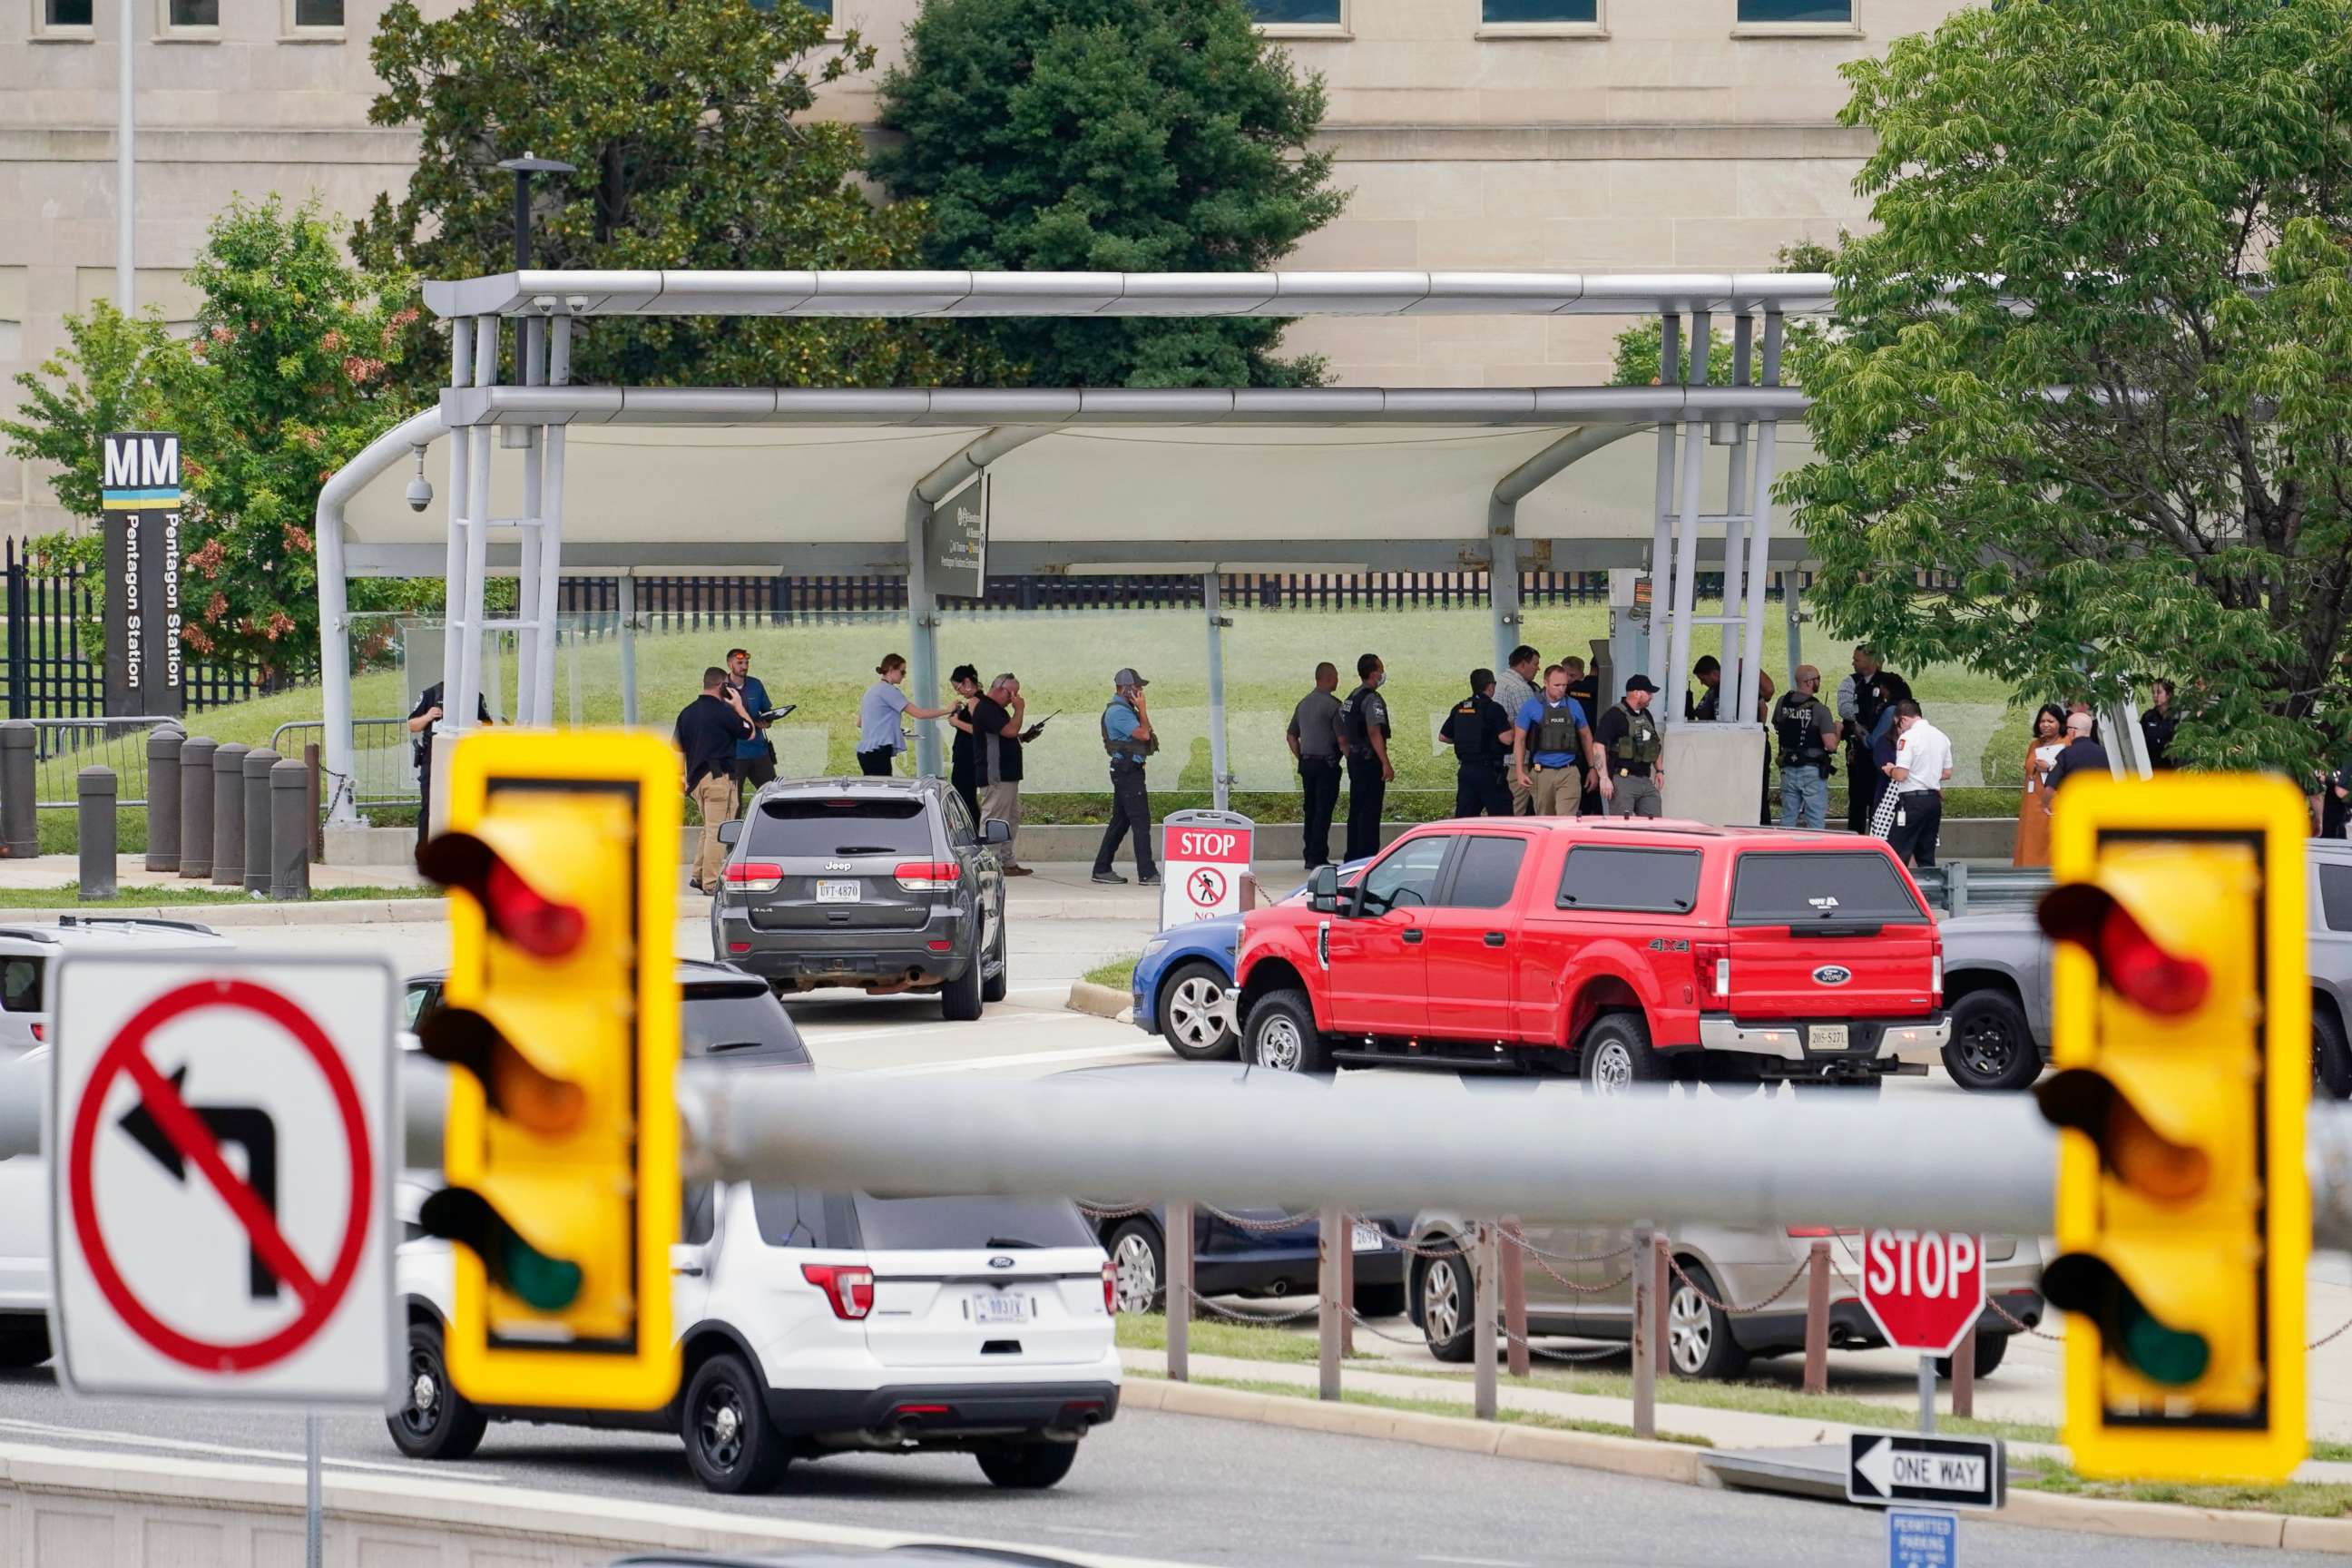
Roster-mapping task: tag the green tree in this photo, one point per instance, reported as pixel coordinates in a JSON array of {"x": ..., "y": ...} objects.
[
  {"x": 1081, "y": 135},
  {"x": 108, "y": 377},
  {"x": 1638, "y": 346},
  {"x": 688, "y": 122},
  {"x": 2096, "y": 361}
]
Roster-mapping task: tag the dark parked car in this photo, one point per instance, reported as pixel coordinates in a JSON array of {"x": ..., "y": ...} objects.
[
  {"x": 882, "y": 884},
  {"x": 726, "y": 1013},
  {"x": 1241, "y": 1251}
]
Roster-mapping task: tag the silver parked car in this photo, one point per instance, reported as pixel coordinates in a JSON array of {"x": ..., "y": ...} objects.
[
  {"x": 1733, "y": 1296},
  {"x": 1997, "y": 986}
]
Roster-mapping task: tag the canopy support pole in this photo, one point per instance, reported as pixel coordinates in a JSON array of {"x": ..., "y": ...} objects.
[
  {"x": 1760, "y": 536},
  {"x": 629, "y": 649},
  {"x": 462, "y": 689},
  {"x": 1678, "y": 681},
  {"x": 1735, "y": 530},
  {"x": 1662, "y": 547},
  {"x": 461, "y": 453},
  {"x": 1220, "y": 780},
  {"x": 530, "y": 350},
  {"x": 551, "y": 523},
  {"x": 1796, "y": 617},
  {"x": 1503, "y": 522}
]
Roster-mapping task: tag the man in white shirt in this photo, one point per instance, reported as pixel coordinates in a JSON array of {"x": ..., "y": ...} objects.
[{"x": 1923, "y": 761}]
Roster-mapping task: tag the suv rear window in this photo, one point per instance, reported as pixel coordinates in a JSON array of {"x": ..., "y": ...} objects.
[
  {"x": 20, "y": 984},
  {"x": 739, "y": 1024},
  {"x": 967, "y": 1223},
  {"x": 1789, "y": 886},
  {"x": 818, "y": 825},
  {"x": 1640, "y": 881}
]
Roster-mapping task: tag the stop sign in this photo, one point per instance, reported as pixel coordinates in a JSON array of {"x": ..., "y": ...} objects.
[{"x": 1924, "y": 1287}]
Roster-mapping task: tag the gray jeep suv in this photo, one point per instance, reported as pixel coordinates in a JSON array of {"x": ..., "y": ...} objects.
[{"x": 884, "y": 884}]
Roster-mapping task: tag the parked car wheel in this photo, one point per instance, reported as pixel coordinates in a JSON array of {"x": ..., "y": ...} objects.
[
  {"x": 1380, "y": 1300},
  {"x": 728, "y": 1442},
  {"x": 1027, "y": 1467},
  {"x": 1139, "y": 1267},
  {"x": 960, "y": 998},
  {"x": 1698, "y": 1333},
  {"x": 2331, "y": 1062},
  {"x": 1992, "y": 1350},
  {"x": 433, "y": 1421},
  {"x": 1281, "y": 1035},
  {"x": 1194, "y": 1016},
  {"x": 1993, "y": 1047},
  {"x": 1449, "y": 1307},
  {"x": 1616, "y": 1054},
  {"x": 993, "y": 987}
]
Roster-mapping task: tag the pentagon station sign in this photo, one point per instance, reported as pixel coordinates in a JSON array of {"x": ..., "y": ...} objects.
[{"x": 139, "y": 495}]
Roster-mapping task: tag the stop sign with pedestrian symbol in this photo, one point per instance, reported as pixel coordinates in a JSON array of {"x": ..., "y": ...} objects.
[{"x": 1924, "y": 1287}]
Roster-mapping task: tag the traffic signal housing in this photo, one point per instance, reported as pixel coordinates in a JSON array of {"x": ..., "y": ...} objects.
[
  {"x": 2181, "y": 1037},
  {"x": 561, "y": 1012}
]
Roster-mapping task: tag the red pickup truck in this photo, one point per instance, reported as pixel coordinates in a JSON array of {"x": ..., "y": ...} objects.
[{"x": 1631, "y": 949}]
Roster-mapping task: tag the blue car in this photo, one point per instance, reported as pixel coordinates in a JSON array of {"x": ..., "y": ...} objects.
[{"x": 1184, "y": 981}]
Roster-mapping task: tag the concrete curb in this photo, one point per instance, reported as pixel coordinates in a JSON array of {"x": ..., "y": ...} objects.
[
  {"x": 1102, "y": 1001},
  {"x": 255, "y": 913}
]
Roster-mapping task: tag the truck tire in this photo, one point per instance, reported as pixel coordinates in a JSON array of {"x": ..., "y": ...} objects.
[
  {"x": 1615, "y": 1054},
  {"x": 1281, "y": 1036},
  {"x": 2331, "y": 1060},
  {"x": 1992, "y": 1050}
]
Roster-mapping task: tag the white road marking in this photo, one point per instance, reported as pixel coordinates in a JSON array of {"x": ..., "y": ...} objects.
[
  {"x": 1476, "y": 1562},
  {"x": 1027, "y": 1059},
  {"x": 187, "y": 1446}
]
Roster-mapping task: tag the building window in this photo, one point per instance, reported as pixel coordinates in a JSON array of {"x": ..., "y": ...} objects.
[
  {"x": 62, "y": 18},
  {"x": 1541, "y": 13},
  {"x": 318, "y": 13},
  {"x": 821, "y": 7},
  {"x": 1825, "y": 12},
  {"x": 1297, "y": 12},
  {"x": 191, "y": 12}
]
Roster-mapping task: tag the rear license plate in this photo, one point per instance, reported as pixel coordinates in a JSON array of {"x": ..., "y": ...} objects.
[
  {"x": 1827, "y": 1036},
  {"x": 1000, "y": 1309},
  {"x": 839, "y": 892},
  {"x": 1368, "y": 1237}
]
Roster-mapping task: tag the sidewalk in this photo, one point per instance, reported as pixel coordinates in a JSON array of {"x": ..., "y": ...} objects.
[{"x": 130, "y": 873}]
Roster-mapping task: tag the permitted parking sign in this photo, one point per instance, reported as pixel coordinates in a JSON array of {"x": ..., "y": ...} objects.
[{"x": 220, "y": 1219}]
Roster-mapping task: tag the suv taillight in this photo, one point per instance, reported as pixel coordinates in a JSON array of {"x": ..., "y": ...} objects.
[
  {"x": 1110, "y": 1288},
  {"x": 848, "y": 1288},
  {"x": 40, "y": 1031},
  {"x": 1711, "y": 964},
  {"x": 755, "y": 876},
  {"x": 928, "y": 876}
]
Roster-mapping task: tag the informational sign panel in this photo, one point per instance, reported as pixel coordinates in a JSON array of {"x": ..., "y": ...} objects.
[
  {"x": 1922, "y": 1538},
  {"x": 1925, "y": 1288},
  {"x": 1944, "y": 1473},
  {"x": 1203, "y": 855},
  {"x": 955, "y": 542},
  {"x": 140, "y": 494},
  {"x": 221, "y": 1165}
]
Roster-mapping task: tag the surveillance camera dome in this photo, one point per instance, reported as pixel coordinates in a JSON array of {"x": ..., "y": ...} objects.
[{"x": 420, "y": 493}]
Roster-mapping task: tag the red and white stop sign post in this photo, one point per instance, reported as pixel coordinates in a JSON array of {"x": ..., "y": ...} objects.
[
  {"x": 1925, "y": 1290},
  {"x": 1203, "y": 855}
]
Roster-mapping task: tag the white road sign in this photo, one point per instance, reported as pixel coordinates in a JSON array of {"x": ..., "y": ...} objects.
[{"x": 221, "y": 1156}]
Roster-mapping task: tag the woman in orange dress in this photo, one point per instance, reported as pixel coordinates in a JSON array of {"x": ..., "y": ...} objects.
[{"x": 2032, "y": 801}]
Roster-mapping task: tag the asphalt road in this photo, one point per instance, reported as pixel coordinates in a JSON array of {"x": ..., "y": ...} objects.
[{"x": 1151, "y": 1485}]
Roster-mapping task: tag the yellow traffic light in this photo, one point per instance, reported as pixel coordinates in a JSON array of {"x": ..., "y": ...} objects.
[
  {"x": 562, "y": 1008},
  {"x": 2181, "y": 1033}
]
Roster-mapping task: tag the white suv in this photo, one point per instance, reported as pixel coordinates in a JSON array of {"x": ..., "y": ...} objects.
[
  {"x": 28, "y": 951},
  {"x": 817, "y": 1322}
]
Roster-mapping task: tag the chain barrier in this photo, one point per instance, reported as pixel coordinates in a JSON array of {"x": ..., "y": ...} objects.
[
  {"x": 1524, "y": 1245},
  {"x": 1259, "y": 1319},
  {"x": 1726, "y": 1308},
  {"x": 2003, "y": 1313},
  {"x": 2325, "y": 1339},
  {"x": 1581, "y": 1289},
  {"x": 1289, "y": 1222},
  {"x": 1603, "y": 1353},
  {"x": 1417, "y": 1342},
  {"x": 1444, "y": 1249},
  {"x": 1091, "y": 1212}
]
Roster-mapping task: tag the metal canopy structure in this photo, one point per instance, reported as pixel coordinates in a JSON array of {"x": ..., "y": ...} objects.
[{"x": 1103, "y": 480}]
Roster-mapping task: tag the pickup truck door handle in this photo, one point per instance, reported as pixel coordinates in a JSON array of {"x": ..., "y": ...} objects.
[
  {"x": 1494, "y": 939},
  {"x": 693, "y": 1270},
  {"x": 1412, "y": 937}
]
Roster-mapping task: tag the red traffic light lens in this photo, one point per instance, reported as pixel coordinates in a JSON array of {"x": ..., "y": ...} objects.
[
  {"x": 2136, "y": 966},
  {"x": 541, "y": 926}
]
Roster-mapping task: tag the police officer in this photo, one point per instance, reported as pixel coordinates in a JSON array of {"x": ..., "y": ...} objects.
[
  {"x": 1806, "y": 731},
  {"x": 1129, "y": 738},
  {"x": 1479, "y": 732},
  {"x": 1364, "y": 736},
  {"x": 1863, "y": 699},
  {"x": 1552, "y": 735},
  {"x": 1630, "y": 752}
]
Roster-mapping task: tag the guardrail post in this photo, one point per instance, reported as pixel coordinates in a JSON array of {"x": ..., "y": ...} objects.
[
  {"x": 1329, "y": 1244},
  {"x": 1484, "y": 1401},
  {"x": 1347, "y": 1282},
  {"x": 256, "y": 767},
  {"x": 1955, "y": 888},
  {"x": 163, "y": 742},
  {"x": 196, "y": 809},
  {"x": 312, "y": 794},
  {"x": 1515, "y": 1296},
  {"x": 1645, "y": 1360},
  {"x": 1964, "y": 1374},
  {"x": 94, "y": 825},
  {"x": 229, "y": 815},
  {"x": 293, "y": 816},
  {"x": 1817, "y": 1319},
  {"x": 1179, "y": 1291},
  {"x": 1661, "y": 1292},
  {"x": 20, "y": 813}
]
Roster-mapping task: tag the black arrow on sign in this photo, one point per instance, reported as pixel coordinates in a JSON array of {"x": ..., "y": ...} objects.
[{"x": 248, "y": 1126}]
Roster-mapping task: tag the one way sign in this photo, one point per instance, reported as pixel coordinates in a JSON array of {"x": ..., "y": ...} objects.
[{"x": 1902, "y": 1467}]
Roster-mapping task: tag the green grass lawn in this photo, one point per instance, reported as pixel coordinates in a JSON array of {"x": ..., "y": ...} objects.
[
  {"x": 1118, "y": 973},
  {"x": 1447, "y": 1407},
  {"x": 2309, "y": 1499},
  {"x": 67, "y": 897}
]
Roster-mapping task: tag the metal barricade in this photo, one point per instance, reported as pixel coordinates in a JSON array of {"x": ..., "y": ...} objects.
[
  {"x": 63, "y": 747},
  {"x": 383, "y": 770},
  {"x": 1960, "y": 888}
]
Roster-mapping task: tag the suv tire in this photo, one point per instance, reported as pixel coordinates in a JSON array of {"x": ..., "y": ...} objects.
[
  {"x": 1449, "y": 1306},
  {"x": 433, "y": 1421},
  {"x": 1992, "y": 1050},
  {"x": 1026, "y": 1467},
  {"x": 1698, "y": 1333},
  {"x": 1992, "y": 1350},
  {"x": 1194, "y": 988},
  {"x": 1281, "y": 1036},
  {"x": 1615, "y": 1054},
  {"x": 993, "y": 987},
  {"x": 724, "y": 1419},
  {"x": 2331, "y": 1060},
  {"x": 959, "y": 999}
]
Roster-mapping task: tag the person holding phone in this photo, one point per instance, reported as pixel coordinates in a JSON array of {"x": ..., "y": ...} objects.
[{"x": 755, "y": 759}]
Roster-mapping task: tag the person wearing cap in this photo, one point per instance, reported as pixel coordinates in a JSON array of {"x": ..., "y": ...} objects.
[
  {"x": 1480, "y": 734},
  {"x": 1127, "y": 737},
  {"x": 1629, "y": 753},
  {"x": 1364, "y": 737}
]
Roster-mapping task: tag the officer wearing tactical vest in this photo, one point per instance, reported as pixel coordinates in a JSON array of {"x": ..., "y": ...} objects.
[
  {"x": 1127, "y": 737},
  {"x": 1551, "y": 738},
  {"x": 1630, "y": 752},
  {"x": 1479, "y": 732},
  {"x": 1364, "y": 736},
  {"x": 1806, "y": 733}
]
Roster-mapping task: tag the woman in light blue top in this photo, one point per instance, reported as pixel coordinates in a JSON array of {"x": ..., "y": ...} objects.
[{"x": 880, "y": 736}]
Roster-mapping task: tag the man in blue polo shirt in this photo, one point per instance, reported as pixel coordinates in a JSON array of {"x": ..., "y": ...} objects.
[{"x": 1552, "y": 739}]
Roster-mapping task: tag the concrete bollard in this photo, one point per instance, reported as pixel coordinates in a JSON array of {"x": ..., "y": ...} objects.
[
  {"x": 20, "y": 815},
  {"x": 164, "y": 744},
  {"x": 291, "y": 817},
  {"x": 229, "y": 815},
  {"x": 258, "y": 763},
  {"x": 196, "y": 807},
  {"x": 94, "y": 834}
]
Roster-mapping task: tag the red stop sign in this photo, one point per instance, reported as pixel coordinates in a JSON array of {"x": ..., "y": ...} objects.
[{"x": 1924, "y": 1287}]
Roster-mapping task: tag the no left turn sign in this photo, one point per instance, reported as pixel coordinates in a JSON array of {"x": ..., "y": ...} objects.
[{"x": 221, "y": 1180}]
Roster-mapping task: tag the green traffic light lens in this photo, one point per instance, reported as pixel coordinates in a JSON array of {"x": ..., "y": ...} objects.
[
  {"x": 2172, "y": 1356},
  {"x": 547, "y": 1284}
]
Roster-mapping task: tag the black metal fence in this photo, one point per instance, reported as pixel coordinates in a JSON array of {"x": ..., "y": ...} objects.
[{"x": 48, "y": 674}]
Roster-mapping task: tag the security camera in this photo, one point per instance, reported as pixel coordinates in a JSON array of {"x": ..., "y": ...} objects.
[{"x": 420, "y": 489}]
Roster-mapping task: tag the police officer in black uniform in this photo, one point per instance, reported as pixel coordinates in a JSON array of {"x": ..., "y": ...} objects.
[
  {"x": 1479, "y": 732},
  {"x": 1867, "y": 691},
  {"x": 1364, "y": 734}
]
